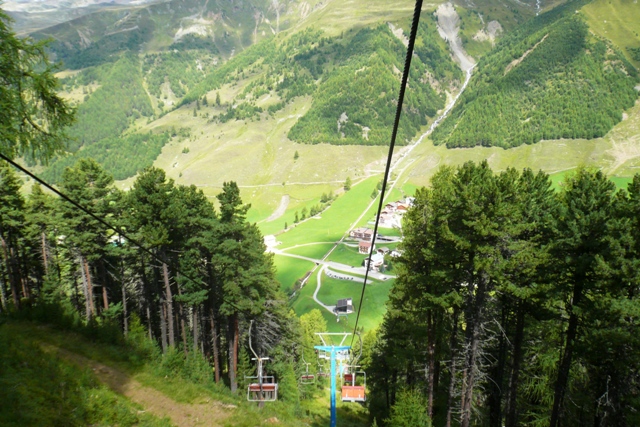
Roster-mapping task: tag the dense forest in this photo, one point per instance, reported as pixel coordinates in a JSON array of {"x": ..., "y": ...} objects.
[
  {"x": 110, "y": 110},
  {"x": 355, "y": 103},
  {"x": 191, "y": 276},
  {"x": 514, "y": 304},
  {"x": 549, "y": 79}
]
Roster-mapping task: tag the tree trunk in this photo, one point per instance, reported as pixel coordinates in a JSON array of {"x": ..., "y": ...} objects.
[
  {"x": 125, "y": 319},
  {"x": 147, "y": 296},
  {"x": 10, "y": 273},
  {"x": 45, "y": 258},
  {"x": 214, "y": 345},
  {"x": 163, "y": 326},
  {"x": 431, "y": 363},
  {"x": 169, "y": 304},
  {"x": 23, "y": 274},
  {"x": 453, "y": 342},
  {"x": 85, "y": 290},
  {"x": 149, "y": 327},
  {"x": 563, "y": 369},
  {"x": 233, "y": 352},
  {"x": 183, "y": 328},
  {"x": 512, "y": 413},
  {"x": 473, "y": 345},
  {"x": 495, "y": 386},
  {"x": 103, "y": 274},
  {"x": 85, "y": 264},
  {"x": 3, "y": 293},
  {"x": 125, "y": 315},
  {"x": 195, "y": 329}
]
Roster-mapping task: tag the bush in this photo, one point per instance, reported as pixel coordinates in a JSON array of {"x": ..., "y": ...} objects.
[{"x": 410, "y": 410}]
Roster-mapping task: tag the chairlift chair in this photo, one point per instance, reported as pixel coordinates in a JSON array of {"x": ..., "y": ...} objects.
[
  {"x": 307, "y": 378},
  {"x": 261, "y": 388},
  {"x": 321, "y": 372},
  {"x": 351, "y": 391}
]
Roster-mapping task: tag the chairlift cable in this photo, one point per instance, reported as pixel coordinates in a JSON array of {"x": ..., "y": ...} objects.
[
  {"x": 403, "y": 86},
  {"x": 102, "y": 221}
]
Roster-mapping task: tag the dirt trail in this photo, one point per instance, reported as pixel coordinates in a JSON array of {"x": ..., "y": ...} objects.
[
  {"x": 282, "y": 208},
  {"x": 153, "y": 401}
]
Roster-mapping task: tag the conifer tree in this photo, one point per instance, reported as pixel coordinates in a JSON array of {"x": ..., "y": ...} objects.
[
  {"x": 33, "y": 117},
  {"x": 90, "y": 186},
  {"x": 11, "y": 220},
  {"x": 246, "y": 272}
]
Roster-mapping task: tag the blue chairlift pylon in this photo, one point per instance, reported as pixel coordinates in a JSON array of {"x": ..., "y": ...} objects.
[{"x": 333, "y": 351}]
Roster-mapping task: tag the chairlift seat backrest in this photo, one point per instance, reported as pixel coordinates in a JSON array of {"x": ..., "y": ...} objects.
[{"x": 353, "y": 393}]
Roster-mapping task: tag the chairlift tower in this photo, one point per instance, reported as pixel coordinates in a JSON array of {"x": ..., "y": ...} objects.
[{"x": 334, "y": 352}]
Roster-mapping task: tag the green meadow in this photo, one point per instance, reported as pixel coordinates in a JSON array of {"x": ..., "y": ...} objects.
[
  {"x": 335, "y": 221},
  {"x": 373, "y": 307},
  {"x": 289, "y": 270},
  {"x": 312, "y": 250},
  {"x": 347, "y": 255}
]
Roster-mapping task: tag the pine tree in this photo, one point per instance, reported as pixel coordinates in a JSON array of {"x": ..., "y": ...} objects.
[
  {"x": 347, "y": 184},
  {"x": 409, "y": 411},
  {"x": 11, "y": 221},
  {"x": 246, "y": 272},
  {"x": 33, "y": 117}
]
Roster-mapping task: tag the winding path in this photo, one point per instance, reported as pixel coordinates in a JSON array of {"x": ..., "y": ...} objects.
[{"x": 204, "y": 413}]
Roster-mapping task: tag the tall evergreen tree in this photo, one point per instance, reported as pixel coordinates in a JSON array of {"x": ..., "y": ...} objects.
[
  {"x": 91, "y": 187},
  {"x": 11, "y": 221}
]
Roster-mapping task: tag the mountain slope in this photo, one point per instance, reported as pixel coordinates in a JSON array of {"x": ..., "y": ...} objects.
[{"x": 550, "y": 79}]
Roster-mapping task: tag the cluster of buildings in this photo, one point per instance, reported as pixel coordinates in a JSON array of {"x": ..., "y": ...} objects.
[{"x": 391, "y": 216}]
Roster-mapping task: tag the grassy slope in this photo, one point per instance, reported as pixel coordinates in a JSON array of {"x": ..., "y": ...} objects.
[
  {"x": 39, "y": 388},
  {"x": 289, "y": 270},
  {"x": 372, "y": 309},
  {"x": 616, "y": 20},
  {"x": 43, "y": 374},
  {"x": 335, "y": 221},
  {"x": 617, "y": 154}
]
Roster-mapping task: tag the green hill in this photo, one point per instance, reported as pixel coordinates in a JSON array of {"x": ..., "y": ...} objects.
[{"x": 550, "y": 79}]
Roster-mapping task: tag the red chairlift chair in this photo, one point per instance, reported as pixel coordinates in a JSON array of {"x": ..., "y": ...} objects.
[{"x": 262, "y": 388}]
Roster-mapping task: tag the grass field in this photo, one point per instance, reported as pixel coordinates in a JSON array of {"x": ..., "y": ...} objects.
[
  {"x": 347, "y": 255},
  {"x": 373, "y": 307},
  {"x": 312, "y": 250},
  {"x": 335, "y": 221},
  {"x": 288, "y": 270},
  {"x": 557, "y": 179},
  {"x": 617, "y": 20}
]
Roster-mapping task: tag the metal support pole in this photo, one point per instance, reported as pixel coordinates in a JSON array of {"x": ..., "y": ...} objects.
[
  {"x": 334, "y": 415},
  {"x": 333, "y": 350}
]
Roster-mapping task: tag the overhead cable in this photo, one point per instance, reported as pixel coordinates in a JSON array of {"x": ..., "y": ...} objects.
[
  {"x": 97, "y": 218},
  {"x": 403, "y": 86}
]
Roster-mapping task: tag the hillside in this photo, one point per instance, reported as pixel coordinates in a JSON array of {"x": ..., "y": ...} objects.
[{"x": 550, "y": 79}]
